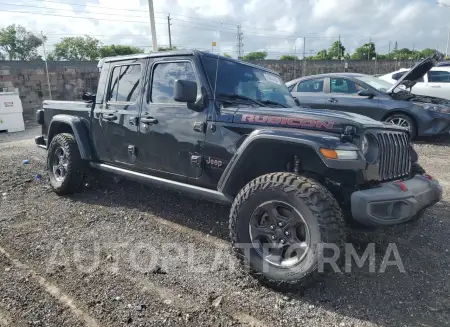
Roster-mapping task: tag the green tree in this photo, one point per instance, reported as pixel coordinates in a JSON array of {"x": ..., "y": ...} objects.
[
  {"x": 77, "y": 48},
  {"x": 258, "y": 55},
  {"x": 366, "y": 51},
  {"x": 427, "y": 52},
  {"x": 19, "y": 43},
  {"x": 288, "y": 57},
  {"x": 336, "y": 51},
  {"x": 226, "y": 55},
  {"x": 404, "y": 53},
  {"x": 321, "y": 55},
  {"x": 167, "y": 48},
  {"x": 118, "y": 50}
]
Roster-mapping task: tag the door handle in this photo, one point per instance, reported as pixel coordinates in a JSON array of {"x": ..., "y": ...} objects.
[
  {"x": 149, "y": 120},
  {"x": 436, "y": 86},
  {"x": 109, "y": 117},
  {"x": 333, "y": 100}
]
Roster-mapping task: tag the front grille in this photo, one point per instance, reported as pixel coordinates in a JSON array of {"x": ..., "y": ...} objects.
[{"x": 394, "y": 155}]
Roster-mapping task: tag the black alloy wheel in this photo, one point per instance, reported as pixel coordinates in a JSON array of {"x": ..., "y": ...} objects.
[{"x": 279, "y": 233}]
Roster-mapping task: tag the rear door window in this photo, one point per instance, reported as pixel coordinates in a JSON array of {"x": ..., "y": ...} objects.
[
  {"x": 311, "y": 85},
  {"x": 124, "y": 83}
]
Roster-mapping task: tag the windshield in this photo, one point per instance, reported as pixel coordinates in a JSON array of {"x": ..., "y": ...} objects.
[
  {"x": 375, "y": 82},
  {"x": 234, "y": 78}
]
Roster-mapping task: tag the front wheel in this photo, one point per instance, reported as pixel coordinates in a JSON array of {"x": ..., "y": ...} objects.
[
  {"x": 281, "y": 224},
  {"x": 403, "y": 121}
]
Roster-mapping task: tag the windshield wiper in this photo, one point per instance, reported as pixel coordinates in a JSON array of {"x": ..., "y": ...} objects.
[
  {"x": 241, "y": 97},
  {"x": 274, "y": 103}
]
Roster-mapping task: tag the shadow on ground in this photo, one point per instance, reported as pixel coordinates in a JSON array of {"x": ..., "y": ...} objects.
[{"x": 417, "y": 297}]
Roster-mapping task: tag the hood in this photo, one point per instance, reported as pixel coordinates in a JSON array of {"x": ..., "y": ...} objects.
[
  {"x": 418, "y": 71},
  {"x": 314, "y": 119}
]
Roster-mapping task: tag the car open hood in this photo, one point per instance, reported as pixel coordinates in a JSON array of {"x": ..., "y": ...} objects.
[{"x": 418, "y": 71}]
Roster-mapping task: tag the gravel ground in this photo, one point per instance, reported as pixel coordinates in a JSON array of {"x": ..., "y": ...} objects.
[{"x": 123, "y": 254}]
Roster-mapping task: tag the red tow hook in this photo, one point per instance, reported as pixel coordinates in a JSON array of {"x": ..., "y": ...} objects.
[{"x": 402, "y": 186}]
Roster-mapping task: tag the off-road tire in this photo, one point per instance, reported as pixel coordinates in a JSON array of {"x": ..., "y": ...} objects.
[
  {"x": 316, "y": 204},
  {"x": 76, "y": 166}
]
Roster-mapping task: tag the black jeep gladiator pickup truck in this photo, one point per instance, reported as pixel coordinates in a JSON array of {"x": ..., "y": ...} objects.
[{"x": 231, "y": 132}]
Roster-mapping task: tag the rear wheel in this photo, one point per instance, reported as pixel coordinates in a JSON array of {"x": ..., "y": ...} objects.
[
  {"x": 403, "y": 120},
  {"x": 278, "y": 223},
  {"x": 65, "y": 166}
]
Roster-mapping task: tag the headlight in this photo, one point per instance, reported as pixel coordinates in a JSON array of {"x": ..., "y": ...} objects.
[
  {"x": 433, "y": 107},
  {"x": 339, "y": 154},
  {"x": 364, "y": 145},
  {"x": 372, "y": 150}
]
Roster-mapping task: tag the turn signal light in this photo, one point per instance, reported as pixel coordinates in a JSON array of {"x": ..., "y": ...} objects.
[
  {"x": 428, "y": 176},
  {"x": 328, "y": 153}
]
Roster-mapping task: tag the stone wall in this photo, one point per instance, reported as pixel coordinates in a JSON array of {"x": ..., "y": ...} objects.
[{"x": 69, "y": 80}]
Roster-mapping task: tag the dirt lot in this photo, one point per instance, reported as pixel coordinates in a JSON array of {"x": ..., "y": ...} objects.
[{"x": 121, "y": 254}]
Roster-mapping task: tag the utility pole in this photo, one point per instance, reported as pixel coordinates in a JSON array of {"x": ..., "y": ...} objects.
[
  {"x": 389, "y": 53},
  {"x": 339, "y": 47},
  {"x": 168, "y": 27},
  {"x": 152, "y": 25},
  {"x": 448, "y": 41},
  {"x": 368, "y": 49},
  {"x": 46, "y": 66},
  {"x": 304, "y": 57},
  {"x": 448, "y": 35},
  {"x": 240, "y": 44}
]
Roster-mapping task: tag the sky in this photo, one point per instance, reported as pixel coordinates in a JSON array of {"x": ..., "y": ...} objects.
[{"x": 276, "y": 26}]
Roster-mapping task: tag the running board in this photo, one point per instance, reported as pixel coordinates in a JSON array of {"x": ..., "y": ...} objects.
[{"x": 205, "y": 193}]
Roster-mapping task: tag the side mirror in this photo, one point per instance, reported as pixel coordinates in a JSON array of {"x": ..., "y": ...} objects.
[
  {"x": 88, "y": 97},
  {"x": 366, "y": 93},
  {"x": 185, "y": 91}
]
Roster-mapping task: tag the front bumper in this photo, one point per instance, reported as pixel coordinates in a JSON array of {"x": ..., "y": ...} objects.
[
  {"x": 436, "y": 124},
  {"x": 389, "y": 204}
]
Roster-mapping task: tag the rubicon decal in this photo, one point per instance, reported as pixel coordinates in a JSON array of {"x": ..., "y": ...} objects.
[{"x": 289, "y": 121}]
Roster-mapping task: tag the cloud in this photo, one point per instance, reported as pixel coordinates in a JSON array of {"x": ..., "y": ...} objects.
[{"x": 275, "y": 26}]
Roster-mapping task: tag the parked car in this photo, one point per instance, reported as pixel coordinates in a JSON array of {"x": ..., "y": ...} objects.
[
  {"x": 435, "y": 83},
  {"x": 377, "y": 98},
  {"x": 231, "y": 132}
]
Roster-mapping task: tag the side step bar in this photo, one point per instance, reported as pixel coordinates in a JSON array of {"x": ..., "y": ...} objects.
[{"x": 205, "y": 193}]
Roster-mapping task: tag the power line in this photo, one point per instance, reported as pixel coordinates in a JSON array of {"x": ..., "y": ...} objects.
[
  {"x": 88, "y": 5},
  {"x": 121, "y": 9},
  {"x": 200, "y": 24},
  {"x": 76, "y": 17},
  {"x": 75, "y": 11}
]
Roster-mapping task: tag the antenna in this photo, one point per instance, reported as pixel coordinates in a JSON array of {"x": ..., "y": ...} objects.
[{"x": 215, "y": 80}]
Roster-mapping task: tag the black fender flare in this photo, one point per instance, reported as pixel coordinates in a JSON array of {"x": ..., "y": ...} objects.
[
  {"x": 311, "y": 139},
  {"x": 80, "y": 132}
]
